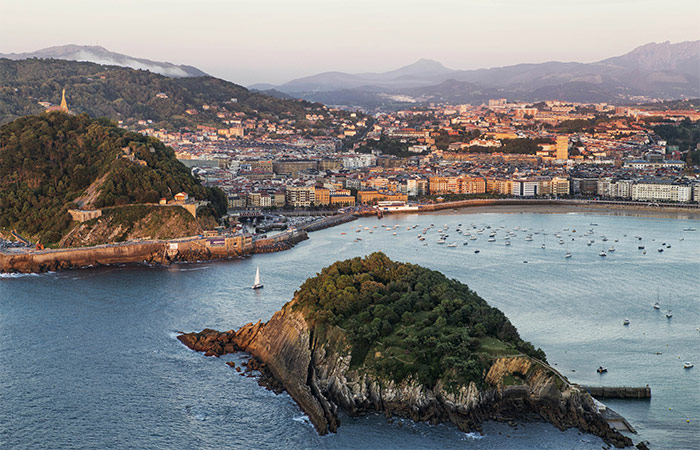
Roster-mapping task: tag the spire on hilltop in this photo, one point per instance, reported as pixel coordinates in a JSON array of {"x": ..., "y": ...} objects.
[{"x": 64, "y": 104}]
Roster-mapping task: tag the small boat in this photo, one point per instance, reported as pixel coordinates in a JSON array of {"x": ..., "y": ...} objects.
[
  {"x": 476, "y": 251},
  {"x": 465, "y": 243},
  {"x": 668, "y": 246},
  {"x": 568, "y": 255},
  {"x": 561, "y": 241},
  {"x": 453, "y": 244},
  {"x": 544, "y": 246},
  {"x": 626, "y": 322},
  {"x": 640, "y": 247},
  {"x": 507, "y": 242},
  {"x": 441, "y": 241},
  {"x": 669, "y": 314},
  {"x": 594, "y": 224},
  {"x": 343, "y": 233},
  {"x": 688, "y": 365},
  {"x": 491, "y": 240},
  {"x": 257, "y": 284},
  {"x": 611, "y": 249},
  {"x": 661, "y": 250},
  {"x": 601, "y": 369},
  {"x": 602, "y": 253},
  {"x": 657, "y": 306},
  {"x": 528, "y": 238},
  {"x": 689, "y": 229},
  {"x": 394, "y": 233}
]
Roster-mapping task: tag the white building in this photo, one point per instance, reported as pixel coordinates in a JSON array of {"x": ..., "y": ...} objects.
[
  {"x": 524, "y": 188},
  {"x": 661, "y": 191},
  {"x": 358, "y": 161},
  {"x": 643, "y": 164},
  {"x": 300, "y": 196}
]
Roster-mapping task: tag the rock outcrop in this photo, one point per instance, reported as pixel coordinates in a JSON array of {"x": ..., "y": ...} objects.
[{"x": 313, "y": 365}]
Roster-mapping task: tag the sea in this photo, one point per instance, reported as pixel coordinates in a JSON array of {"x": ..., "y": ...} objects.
[{"x": 89, "y": 358}]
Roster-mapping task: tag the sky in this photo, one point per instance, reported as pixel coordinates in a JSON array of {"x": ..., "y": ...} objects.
[{"x": 274, "y": 41}]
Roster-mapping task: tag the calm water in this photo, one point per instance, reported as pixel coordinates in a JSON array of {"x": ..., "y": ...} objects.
[{"x": 88, "y": 358}]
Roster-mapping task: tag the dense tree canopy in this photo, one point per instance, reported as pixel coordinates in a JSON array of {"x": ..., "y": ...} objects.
[
  {"x": 119, "y": 93},
  {"x": 405, "y": 320},
  {"x": 48, "y": 161}
]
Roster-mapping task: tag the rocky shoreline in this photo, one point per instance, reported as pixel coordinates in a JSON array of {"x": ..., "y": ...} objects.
[{"x": 310, "y": 367}]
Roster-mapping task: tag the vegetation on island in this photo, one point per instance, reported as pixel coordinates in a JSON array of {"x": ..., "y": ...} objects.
[
  {"x": 53, "y": 162},
  {"x": 404, "y": 320}
]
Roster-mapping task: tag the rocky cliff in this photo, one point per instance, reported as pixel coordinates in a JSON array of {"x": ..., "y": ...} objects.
[{"x": 313, "y": 365}]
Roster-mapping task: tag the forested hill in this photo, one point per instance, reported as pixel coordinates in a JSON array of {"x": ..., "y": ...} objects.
[
  {"x": 404, "y": 320},
  {"x": 52, "y": 161},
  {"x": 121, "y": 93}
]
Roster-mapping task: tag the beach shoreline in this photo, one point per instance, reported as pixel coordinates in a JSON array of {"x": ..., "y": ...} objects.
[{"x": 533, "y": 206}]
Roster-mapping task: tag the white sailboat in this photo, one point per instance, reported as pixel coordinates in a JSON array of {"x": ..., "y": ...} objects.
[{"x": 257, "y": 284}]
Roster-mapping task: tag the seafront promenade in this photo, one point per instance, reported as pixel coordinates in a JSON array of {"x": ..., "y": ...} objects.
[{"x": 198, "y": 248}]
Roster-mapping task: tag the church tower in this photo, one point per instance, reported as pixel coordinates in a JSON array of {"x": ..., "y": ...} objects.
[{"x": 64, "y": 104}]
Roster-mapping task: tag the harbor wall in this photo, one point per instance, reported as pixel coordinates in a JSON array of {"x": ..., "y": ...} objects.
[
  {"x": 148, "y": 252},
  {"x": 53, "y": 260},
  {"x": 619, "y": 391}
]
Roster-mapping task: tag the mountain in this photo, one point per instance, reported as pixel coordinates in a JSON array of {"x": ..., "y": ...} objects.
[
  {"x": 420, "y": 73},
  {"x": 121, "y": 93},
  {"x": 54, "y": 162},
  {"x": 371, "y": 335},
  {"x": 653, "y": 70},
  {"x": 100, "y": 55}
]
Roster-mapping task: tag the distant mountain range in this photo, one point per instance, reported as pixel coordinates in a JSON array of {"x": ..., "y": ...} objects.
[
  {"x": 653, "y": 70},
  {"x": 101, "y": 55}
]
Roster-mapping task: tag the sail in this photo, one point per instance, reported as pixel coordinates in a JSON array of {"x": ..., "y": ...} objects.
[{"x": 257, "y": 277}]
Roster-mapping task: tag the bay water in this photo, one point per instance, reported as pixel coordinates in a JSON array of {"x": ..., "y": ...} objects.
[{"x": 89, "y": 358}]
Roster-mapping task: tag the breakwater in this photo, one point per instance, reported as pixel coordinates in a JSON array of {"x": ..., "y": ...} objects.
[
  {"x": 144, "y": 252},
  {"x": 619, "y": 392},
  {"x": 328, "y": 222}
]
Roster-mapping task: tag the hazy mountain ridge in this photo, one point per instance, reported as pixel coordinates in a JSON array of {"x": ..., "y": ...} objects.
[
  {"x": 656, "y": 70},
  {"x": 100, "y": 55}
]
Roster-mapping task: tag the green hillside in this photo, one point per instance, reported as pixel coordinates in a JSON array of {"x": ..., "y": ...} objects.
[
  {"x": 405, "y": 320},
  {"x": 120, "y": 93},
  {"x": 52, "y": 161}
]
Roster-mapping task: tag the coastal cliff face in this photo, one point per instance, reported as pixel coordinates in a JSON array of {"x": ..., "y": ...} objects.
[
  {"x": 136, "y": 222},
  {"x": 314, "y": 366}
]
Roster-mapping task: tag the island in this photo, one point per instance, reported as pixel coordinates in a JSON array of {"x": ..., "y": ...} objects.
[{"x": 371, "y": 335}]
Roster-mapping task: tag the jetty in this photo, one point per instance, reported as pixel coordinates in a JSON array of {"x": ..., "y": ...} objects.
[{"x": 619, "y": 392}]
